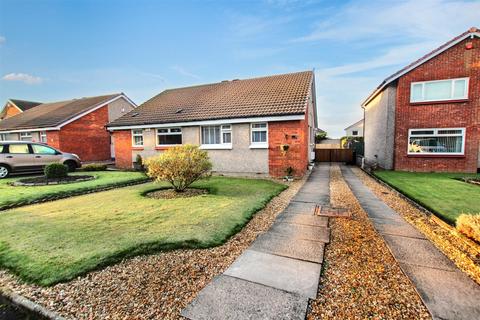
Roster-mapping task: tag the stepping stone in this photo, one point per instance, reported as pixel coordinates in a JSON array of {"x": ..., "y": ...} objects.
[
  {"x": 304, "y": 232},
  {"x": 447, "y": 294},
  {"x": 283, "y": 273},
  {"x": 304, "y": 219},
  {"x": 297, "y": 249},
  {"x": 418, "y": 252},
  {"x": 231, "y": 298},
  {"x": 333, "y": 212},
  {"x": 300, "y": 208},
  {"x": 396, "y": 228}
]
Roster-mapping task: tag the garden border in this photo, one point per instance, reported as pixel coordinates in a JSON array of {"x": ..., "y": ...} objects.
[{"x": 73, "y": 193}]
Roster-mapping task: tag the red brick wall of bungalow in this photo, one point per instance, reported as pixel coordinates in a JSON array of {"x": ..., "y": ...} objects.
[
  {"x": 93, "y": 144},
  {"x": 459, "y": 61}
]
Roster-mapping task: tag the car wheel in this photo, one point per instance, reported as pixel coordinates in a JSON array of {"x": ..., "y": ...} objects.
[
  {"x": 71, "y": 166},
  {"x": 4, "y": 171}
]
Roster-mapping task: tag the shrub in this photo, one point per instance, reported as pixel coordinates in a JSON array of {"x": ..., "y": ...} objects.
[
  {"x": 139, "y": 163},
  {"x": 56, "y": 171},
  {"x": 319, "y": 136},
  {"x": 469, "y": 225},
  {"x": 94, "y": 167},
  {"x": 180, "y": 166}
]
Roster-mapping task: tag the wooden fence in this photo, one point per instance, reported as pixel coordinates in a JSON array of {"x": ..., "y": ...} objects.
[{"x": 334, "y": 155}]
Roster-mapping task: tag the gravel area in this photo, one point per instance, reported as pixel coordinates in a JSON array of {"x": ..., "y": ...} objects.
[
  {"x": 361, "y": 279},
  {"x": 149, "y": 287},
  {"x": 172, "y": 194},
  {"x": 463, "y": 252}
]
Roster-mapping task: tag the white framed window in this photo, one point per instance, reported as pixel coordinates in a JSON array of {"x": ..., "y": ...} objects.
[
  {"x": 439, "y": 90},
  {"x": 217, "y": 137},
  {"x": 25, "y": 136},
  {"x": 3, "y": 137},
  {"x": 137, "y": 137},
  {"x": 259, "y": 135},
  {"x": 43, "y": 136},
  {"x": 437, "y": 141},
  {"x": 169, "y": 136}
]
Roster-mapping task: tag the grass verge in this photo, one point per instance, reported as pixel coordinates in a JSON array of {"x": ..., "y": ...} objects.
[
  {"x": 15, "y": 196},
  {"x": 440, "y": 193}
]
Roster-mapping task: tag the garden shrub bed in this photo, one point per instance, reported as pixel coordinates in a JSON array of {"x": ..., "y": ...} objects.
[{"x": 43, "y": 181}]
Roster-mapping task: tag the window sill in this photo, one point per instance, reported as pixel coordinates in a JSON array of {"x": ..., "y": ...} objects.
[
  {"x": 216, "y": 147},
  {"x": 138, "y": 148},
  {"x": 439, "y": 102},
  {"x": 259, "y": 146},
  {"x": 436, "y": 155}
]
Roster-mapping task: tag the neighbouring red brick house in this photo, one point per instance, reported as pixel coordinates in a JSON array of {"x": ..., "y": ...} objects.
[
  {"x": 244, "y": 124},
  {"x": 426, "y": 117},
  {"x": 15, "y": 106},
  {"x": 76, "y": 126}
]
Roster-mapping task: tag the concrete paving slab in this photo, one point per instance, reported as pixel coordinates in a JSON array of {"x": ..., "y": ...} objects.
[
  {"x": 232, "y": 298},
  {"x": 273, "y": 243},
  {"x": 447, "y": 294},
  {"x": 298, "y": 231},
  {"x": 310, "y": 197},
  {"x": 304, "y": 219},
  {"x": 418, "y": 252},
  {"x": 301, "y": 208},
  {"x": 326, "y": 211},
  {"x": 283, "y": 273},
  {"x": 396, "y": 228}
]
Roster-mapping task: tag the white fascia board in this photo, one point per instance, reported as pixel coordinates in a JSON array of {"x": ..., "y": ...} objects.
[
  {"x": 31, "y": 130},
  {"x": 211, "y": 122},
  {"x": 433, "y": 55},
  {"x": 98, "y": 107}
]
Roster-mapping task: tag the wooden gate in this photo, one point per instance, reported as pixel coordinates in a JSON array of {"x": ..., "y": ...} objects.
[{"x": 334, "y": 155}]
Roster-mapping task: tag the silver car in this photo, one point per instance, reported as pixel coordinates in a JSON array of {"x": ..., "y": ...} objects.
[{"x": 30, "y": 157}]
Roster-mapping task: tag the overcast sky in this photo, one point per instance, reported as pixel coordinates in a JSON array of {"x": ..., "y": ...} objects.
[{"x": 53, "y": 50}]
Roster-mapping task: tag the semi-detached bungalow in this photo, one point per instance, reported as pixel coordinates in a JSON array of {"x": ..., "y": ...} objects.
[
  {"x": 254, "y": 126},
  {"x": 426, "y": 117},
  {"x": 76, "y": 126}
]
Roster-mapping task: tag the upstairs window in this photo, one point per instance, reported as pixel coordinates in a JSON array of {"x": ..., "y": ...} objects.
[
  {"x": 440, "y": 90},
  {"x": 169, "y": 136},
  {"x": 355, "y": 133},
  {"x": 449, "y": 141},
  {"x": 259, "y": 134},
  {"x": 137, "y": 138},
  {"x": 217, "y": 135},
  {"x": 25, "y": 136}
]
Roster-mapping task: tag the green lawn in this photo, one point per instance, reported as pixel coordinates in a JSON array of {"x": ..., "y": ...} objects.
[
  {"x": 438, "y": 192},
  {"x": 59, "y": 240},
  {"x": 10, "y": 195}
]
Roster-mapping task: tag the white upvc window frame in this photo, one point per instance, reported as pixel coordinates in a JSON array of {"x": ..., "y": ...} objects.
[
  {"x": 224, "y": 128},
  {"x": 25, "y": 135},
  {"x": 258, "y": 145},
  {"x": 134, "y": 134},
  {"x": 43, "y": 136},
  {"x": 436, "y": 134},
  {"x": 169, "y": 132},
  {"x": 465, "y": 94},
  {"x": 3, "y": 137}
]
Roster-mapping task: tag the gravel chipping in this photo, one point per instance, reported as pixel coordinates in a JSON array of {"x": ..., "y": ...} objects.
[
  {"x": 463, "y": 252},
  {"x": 156, "y": 286},
  {"x": 172, "y": 194},
  {"x": 360, "y": 278}
]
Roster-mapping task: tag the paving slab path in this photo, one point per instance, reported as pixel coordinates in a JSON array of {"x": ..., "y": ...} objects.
[
  {"x": 280, "y": 271},
  {"x": 447, "y": 292}
]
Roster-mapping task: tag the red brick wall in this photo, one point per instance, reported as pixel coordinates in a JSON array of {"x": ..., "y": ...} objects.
[
  {"x": 123, "y": 148},
  {"x": 456, "y": 62},
  {"x": 297, "y": 155},
  {"x": 53, "y": 139},
  {"x": 87, "y": 136}
]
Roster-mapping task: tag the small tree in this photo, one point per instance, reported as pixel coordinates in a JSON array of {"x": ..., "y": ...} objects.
[
  {"x": 319, "y": 136},
  {"x": 180, "y": 166}
]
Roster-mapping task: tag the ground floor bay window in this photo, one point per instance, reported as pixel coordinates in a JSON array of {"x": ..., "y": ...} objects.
[{"x": 440, "y": 141}]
